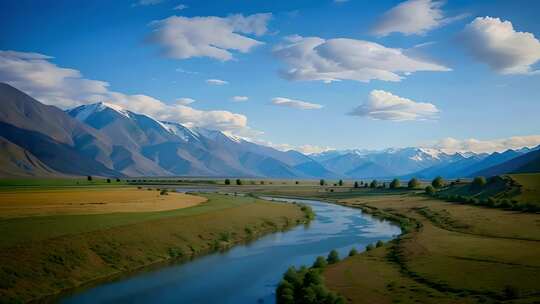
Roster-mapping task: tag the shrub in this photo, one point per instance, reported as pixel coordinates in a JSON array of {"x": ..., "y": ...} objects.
[
  {"x": 373, "y": 184},
  {"x": 108, "y": 180},
  {"x": 379, "y": 244},
  {"x": 333, "y": 257},
  {"x": 369, "y": 247},
  {"x": 353, "y": 252},
  {"x": 413, "y": 183},
  {"x": 227, "y": 181},
  {"x": 478, "y": 183},
  {"x": 438, "y": 182},
  {"x": 164, "y": 192},
  {"x": 297, "y": 182},
  {"x": 430, "y": 190},
  {"x": 340, "y": 182},
  {"x": 394, "y": 184},
  {"x": 89, "y": 178},
  {"x": 305, "y": 286},
  {"x": 322, "y": 182},
  {"x": 238, "y": 182},
  {"x": 356, "y": 184}
]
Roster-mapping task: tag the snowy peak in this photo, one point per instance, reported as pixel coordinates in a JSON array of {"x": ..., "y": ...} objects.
[{"x": 82, "y": 113}]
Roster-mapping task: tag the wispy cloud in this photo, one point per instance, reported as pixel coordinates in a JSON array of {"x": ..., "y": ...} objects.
[
  {"x": 413, "y": 17},
  {"x": 382, "y": 105},
  {"x": 147, "y": 2},
  {"x": 296, "y": 104},
  {"x": 185, "y": 101},
  {"x": 180, "y": 7},
  {"x": 452, "y": 145},
  {"x": 217, "y": 82},
  {"x": 239, "y": 98}
]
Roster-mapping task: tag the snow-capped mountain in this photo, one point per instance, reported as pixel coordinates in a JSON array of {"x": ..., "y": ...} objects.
[{"x": 105, "y": 139}]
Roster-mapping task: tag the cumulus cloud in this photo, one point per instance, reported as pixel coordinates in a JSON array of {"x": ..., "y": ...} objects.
[
  {"x": 63, "y": 87},
  {"x": 413, "y": 17},
  {"x": 452, "y": 145},
  {"x": 314, "y": 58},
  {"x": 296, "y": 104},
  {"x": 382, "y": 105},
  {"x": 180, "y": 7},
  {"x": 216, "y": 82},
  {"x": 496, "y": 43},
  {"x": 185, "y": 101},
  {"x": 215, "y": 37},
  {"x": 239, "y": 98}
]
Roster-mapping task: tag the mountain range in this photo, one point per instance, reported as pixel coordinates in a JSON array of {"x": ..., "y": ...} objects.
[{"x": 105, "y": 140}]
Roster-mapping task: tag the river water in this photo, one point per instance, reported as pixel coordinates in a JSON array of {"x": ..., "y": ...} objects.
[{"x": 247, "y": 273}]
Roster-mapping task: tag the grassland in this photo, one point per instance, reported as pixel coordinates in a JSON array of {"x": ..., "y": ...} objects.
[
  {"x": 91, "y": 201},
  {"x": 44, "y": 254},
  {"x": 455, "y": 254}
]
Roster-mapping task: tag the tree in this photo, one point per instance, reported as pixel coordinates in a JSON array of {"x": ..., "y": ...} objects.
[
  {"x": 353, "y": 252},
  {"x": 413, "y": 183},
  {"x": 297, "y": 182},
  {"x": 430, "y": 190},
  {"x": 438, "y": 182},
  {"x": 478, "y": 182},
  {"x": 373, "y": 184},
  {"x": 369, "y": 247},
  {"x": 395, "y": 184},
  {"x": 108, "y": 180},
  {"x": 262, "y": 182},
  {"x": 89, "y": 178},
  {"x": 320, "y": 262},
  {"x": 340, "y": 182},
  {"x": 227, "y": 181},
  {"x": 379, "y": 244},
  {"x": 238, "y": 182},
  {"x": 322, "y": 182},
  {"x": 117, "y": 180},
  {"x": 333, "y": 257},
  {"x": 356, "y": 185}
]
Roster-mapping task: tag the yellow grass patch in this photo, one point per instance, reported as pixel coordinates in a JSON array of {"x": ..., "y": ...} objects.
[{"x": 91, "y": 201}]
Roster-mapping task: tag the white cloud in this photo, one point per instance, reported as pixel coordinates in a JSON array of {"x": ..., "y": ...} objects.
[
  {"x": 382, "y": 105},
  {"x": 240, "y": 98},
  {"x": 214, "y": 37},
  {"x": 180, "y": 7},
  {"x": 35, "y": 75},
  {"x": 452, "y": 145},
  {"x": 185, "y": 101},
  {"x": 296, "y": 104},
  {"x": 147, "y": 2},
  {"x": 216, "y": 82},
  {"x": 496, "y": 43},
  {"x": 314, "y": 58},
  {"x": 306, "y": 149},
  {"x": 413, "y": 17}
]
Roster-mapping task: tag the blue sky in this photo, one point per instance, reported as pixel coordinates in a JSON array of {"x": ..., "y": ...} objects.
[{"x": 464, "y": 82}]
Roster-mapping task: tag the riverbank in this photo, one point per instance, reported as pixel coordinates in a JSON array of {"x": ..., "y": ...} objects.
[
  {"x": 44, "y": 255},
  {"x": 450, "y": 253}
]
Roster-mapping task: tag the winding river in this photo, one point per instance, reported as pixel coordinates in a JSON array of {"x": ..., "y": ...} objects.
[{"x": 247, "y": 273}]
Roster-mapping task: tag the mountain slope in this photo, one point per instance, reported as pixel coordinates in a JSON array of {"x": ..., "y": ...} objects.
[
  {"x": 17, "y": 162},
  {"x": 59, "y": 141},
  {"x": 526, "y": 163}
]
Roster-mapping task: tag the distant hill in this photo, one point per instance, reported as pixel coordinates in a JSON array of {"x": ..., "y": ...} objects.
[{"x": 526, "y": 163}]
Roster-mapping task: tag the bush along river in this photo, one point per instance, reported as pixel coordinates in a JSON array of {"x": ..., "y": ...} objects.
[{"x": 247, "y": 273}]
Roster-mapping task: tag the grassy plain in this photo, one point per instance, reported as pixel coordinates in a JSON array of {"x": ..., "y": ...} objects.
[
  {"x": 44, "y": 254},
  {"x": 91, "y": 201},
  {"x": 456, "y": 254}
]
